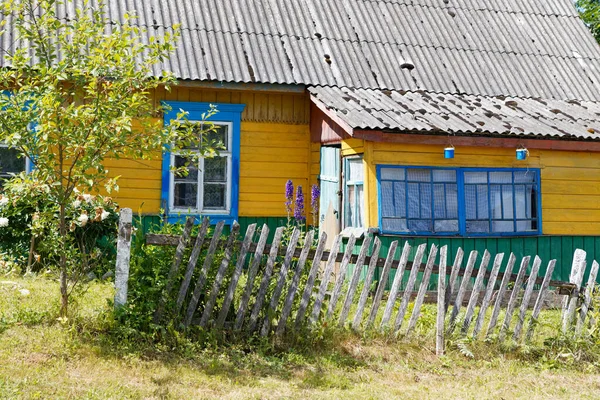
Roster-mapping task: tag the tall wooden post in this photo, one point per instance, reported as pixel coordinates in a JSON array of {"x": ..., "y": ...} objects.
[{"x": 123, "y": 256}]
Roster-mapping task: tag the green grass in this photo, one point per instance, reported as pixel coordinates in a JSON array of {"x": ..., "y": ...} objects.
[{"x": 88, "y": 357}]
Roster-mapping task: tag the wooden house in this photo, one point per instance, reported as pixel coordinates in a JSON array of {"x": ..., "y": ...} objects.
[{"x": 464, "y": 122}]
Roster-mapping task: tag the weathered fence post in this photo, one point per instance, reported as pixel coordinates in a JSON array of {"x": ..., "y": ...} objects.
[
  {"x": 123, "y": 256},
  {"x": 576, "y": 277},
  {"x": 440, "y": 342}
]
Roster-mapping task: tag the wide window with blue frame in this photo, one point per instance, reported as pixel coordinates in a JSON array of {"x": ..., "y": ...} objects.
[
  {"x": 459, "y": 201},
  {"x": 210, "y": 187}
]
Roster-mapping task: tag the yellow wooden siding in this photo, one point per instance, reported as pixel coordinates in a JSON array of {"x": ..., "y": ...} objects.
[
  {"x": 570, "y": 181},
  {"x": 275, "y": 146},
  {"x": 352, "y": 147}
]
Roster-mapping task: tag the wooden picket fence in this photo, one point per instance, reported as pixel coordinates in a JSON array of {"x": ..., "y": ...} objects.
[{"x": 294, "y": 287}]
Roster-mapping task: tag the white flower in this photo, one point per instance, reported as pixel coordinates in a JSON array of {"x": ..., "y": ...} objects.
[
  {"x": 104, "y": 215},
  {"x": 24, "y": 292},
  {"x": 83, "y": 219},
  {"x": 76, "y": 203},
  {"x": 3, "y": 222},
  {"x": 87, "y": 197},
  {"x": 3, "y": 201}
]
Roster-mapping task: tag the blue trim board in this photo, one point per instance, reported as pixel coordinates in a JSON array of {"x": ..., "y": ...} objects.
[
  {"x": 226, "y": 113},
  {"x": 462, "y": 202}
]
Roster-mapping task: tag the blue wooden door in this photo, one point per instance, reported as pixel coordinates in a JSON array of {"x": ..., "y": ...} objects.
[{"x": 330, "y": 203}]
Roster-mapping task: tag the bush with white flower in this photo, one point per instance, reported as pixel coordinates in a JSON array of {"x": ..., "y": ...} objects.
[{"x": 28, "y": 227}]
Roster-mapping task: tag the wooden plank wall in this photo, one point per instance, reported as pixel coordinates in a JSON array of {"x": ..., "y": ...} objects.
[{"x": 275, "y": 146}]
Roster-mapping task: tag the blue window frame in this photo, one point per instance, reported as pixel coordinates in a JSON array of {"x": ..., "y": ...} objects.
[
  {"x": 459, "y": 201},
  {"x": 212, "y": 189}
]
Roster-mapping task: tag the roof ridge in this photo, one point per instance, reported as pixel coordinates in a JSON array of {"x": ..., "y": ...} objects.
[{"x": 410, "y": 3}]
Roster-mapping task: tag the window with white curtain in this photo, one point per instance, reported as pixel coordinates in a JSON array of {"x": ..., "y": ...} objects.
[
  {"x": 459, "y": 201},
  {"x": 354, "y": 197}
]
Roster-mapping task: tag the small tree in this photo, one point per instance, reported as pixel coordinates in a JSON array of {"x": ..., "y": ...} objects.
[{"x": 77, "y": 89}]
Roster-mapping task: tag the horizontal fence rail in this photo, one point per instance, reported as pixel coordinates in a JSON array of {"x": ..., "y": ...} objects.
[{"x": 247, "y": 285}]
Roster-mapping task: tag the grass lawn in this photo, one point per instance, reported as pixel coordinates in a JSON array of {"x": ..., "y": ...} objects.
[{"x": 41, "y": 357}]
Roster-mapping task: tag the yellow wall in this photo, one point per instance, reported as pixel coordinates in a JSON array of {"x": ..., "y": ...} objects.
[
  {"x": 570, "y": 180},
  {"x": 275, "y": 146}
]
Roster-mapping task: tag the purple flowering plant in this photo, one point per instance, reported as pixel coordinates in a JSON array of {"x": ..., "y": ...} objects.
[
  {"x": 289, "y": 195},
  {"x": 315, "y": 193},
  {"x": 299, "y": 206}
]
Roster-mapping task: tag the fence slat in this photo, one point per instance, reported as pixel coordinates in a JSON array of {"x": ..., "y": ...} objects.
[
  {"x": 539, "y": 302},
  {"x": 576, "y": 277},
  {"x": 512, "y": 301},
  {"x": 358, "y": 266},
  {"x": 440, "y": 342},
  {"x": 264, "y": 283},
  {"x": 192, "y": 265},
  {"x": 412, "y": 278},
  {"x": 393, "y": 295},
  {"x": 367, "y": 285},
  {"x": 289, "y": 300},
  {"x": 526, "y": 297},
  {"x": 236, "y": 275},
  {"x": 501, "y": 293},
  {"x": 310, "y": 282},
  {"x": 488, "y": 294},
  {"x": 266, "y": 326},
  {"x": 384, "y": 277},
  {"x": 201, "y": 281},
  {"x": 337, "y": 289},
  {"x": 212, "y": 300},
  {"x": 325, "y": 280},
  {"x": 453, "y": 276},
  {"x": 183, "y": 243},
  {"x": 587, "y": 300},
  {"x": 260, "y": 248},
  {"x": 422, "y": 289},
  {"x": 461, "y": 290},
  {"x": 485, "y": 260}
]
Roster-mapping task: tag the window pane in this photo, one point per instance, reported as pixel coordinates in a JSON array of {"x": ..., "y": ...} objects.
[
  {"x": 500, "y": 177},
  {"x": 185, "y": 195},
  {"x": 476, "y": 177},
  {"x": 394, "y": 224},
  {"x": 387, "y": 199},
  {"x": 10, "y": 162},
  {"x": 444, "y": 175},
  {"x": 507, "y": 198},
  {"x": 350, "y": 205},
  {"x": 419, "y": 175},
  {"x": 214, "y": 196},
  {"x": 525, "y": 176},
  {"x": 219, "y": 134},
  {"x": 355, "y": 171},
  {"x": 414, "y": 201},
  {"x": 478, "y": 226},
  {"x": 396, "y": 174},
  {"x": 446, "y": 225},
  {"x": 192, "y": 175},
  {"x": 503, "y": 226},
  {"x": 359, "y": 206},
  {"x": 215, "y": 169},
  {"x": 400, "y": 199},
  {"x": 452, "y": 201},
  {"x": 439, "y": 201}
]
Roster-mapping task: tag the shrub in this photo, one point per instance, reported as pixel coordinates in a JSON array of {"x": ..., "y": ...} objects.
[{"x": 28, "y": 229}]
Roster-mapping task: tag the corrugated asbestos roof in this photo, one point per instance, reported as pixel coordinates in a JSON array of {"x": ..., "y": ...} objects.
[
  {"x": 525, "y": 48},
  {"x": 426, "y": 112}
]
